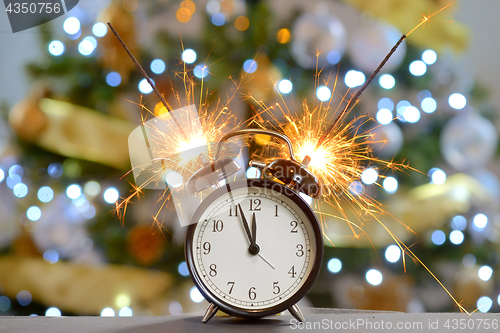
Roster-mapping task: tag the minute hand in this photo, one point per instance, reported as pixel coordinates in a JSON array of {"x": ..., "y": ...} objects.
[{"x": 253, "y": 248}]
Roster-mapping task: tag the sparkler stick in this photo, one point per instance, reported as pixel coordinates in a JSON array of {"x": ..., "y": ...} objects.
[
  {"x": 160, "y": 96},
  {"x": 354, "y": 99}
]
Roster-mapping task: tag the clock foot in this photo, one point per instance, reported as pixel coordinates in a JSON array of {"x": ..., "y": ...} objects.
[
  {"x": 211, "y": 311},
  {"x": 295, "y": 311}
]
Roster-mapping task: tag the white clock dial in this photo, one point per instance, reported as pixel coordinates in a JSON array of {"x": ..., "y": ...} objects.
[{"x": 226, "y": 259}]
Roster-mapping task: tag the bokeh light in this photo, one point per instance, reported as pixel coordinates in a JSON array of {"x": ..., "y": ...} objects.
[
  {"x": 195, "y": 295},
  {"x": 200, "y": 71},
  {"x": 392, "y": 253},
  {"x": 418, "y": 68},
  {"x": 480, "y": 221},
  {"x": 34, "y": 213},
  {"x": 323, "y": 93},
  {"x": 374, "y": 277},
  {"x": 484, "y": 304},
  {"x": 428, "y": 105},
  {"x": 459, "y": 223},
  {"x": 218, "y": 19},
  {"x": 56, "y": 48},
  {"x": 334, "y": 265},
  {"x": 107, "y": 312},
  {"x": 2, "y": 175},
  {"x": 183, "y": 269},
  {"x": 385, "y": 103},
  {"x": 24, "y": 298},
  {"x": 429, "y": 57},
  {"x": 125, "y": 312},
  {"x": 457, "y": 101},
  {"x": 456, "y": 237},
  {"x": 111, "y": 195},
  {"x": 285, "y": 86},
  {"x": 45, "y": 194},
  {"x": 354, "y": 78},
  {"x": 189, "y": 56},
  {"x": 113, "y": 79},
  {"x": 411, "y": 114},
  {"x": 145, "y": 87},
  {"x": 384, "y": 116},
  {"x": 51, "y": 256},
  {"x": 390, "y": 184},
  {"x": 250, "y": 66},
  {"x": 20, "y": 190},
  {"x": 283, "y": 36},
  {"x": 73, "y": 191},
  {"x": 158, "y": 66},
  {"x": 241, "y": 23},
  {"x": 485, "y": 273},
  {"x": 5, "y": 303},
  {"x": 387, "y": 81},
  {"x": 53, "y": 312},
  {"x": 71, "y": 25},
  {"x": 99, "y": 29},
  {"x": 438, "y": 176},
  {"x": 369, "y": 176},
  {"x": 253, "y": 173},
  {"x": 438, "y": 237}
]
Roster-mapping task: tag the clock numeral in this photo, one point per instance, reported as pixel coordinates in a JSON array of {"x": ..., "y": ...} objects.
[
  {"x": 232, "y": 286},
  {"x": 207, "y": 247},
  {"x": 254, "y": 204},
  {"x": 213, "y": 271},
  {"x": 294, "y": 225},
  {"x": 276, "y": 212},
  {"x": 276, "y": 288},
  {"x": 251, "y": 293},
  {"x": 218, "y": 226},
  {"x": 300, "y": 250},
  {"x": 292, "y": 272},
  {"x": 231, "y": 210}
]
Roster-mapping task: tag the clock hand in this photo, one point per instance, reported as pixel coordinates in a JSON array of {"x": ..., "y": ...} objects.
[
  {"x": 260, "y": 255},
  {"x": 253, "y": 248},
  {"x": 254, "y": 229}
]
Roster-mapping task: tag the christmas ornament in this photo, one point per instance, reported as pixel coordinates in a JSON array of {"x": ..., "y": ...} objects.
[
  {"x": 388, "y": 139},
  {"x": 312, "y": 34},
  {"x": 71, "y": 130},
  {"x": 248, "y": 268},
  {"x": 370, "y": 43},
  {"x": 468, "y": 141}
]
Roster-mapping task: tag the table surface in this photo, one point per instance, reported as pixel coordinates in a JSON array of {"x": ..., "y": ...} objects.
[{"x": 317, "y": 320}]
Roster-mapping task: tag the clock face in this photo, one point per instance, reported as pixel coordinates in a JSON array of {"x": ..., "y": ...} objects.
[{"x": 254, "y": 248}]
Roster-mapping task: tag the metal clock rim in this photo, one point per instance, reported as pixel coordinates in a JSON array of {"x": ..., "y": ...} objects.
[{"x": 299, "y": 294}]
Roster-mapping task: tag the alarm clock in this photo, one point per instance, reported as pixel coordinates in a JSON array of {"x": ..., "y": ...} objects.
[{"x": 254, "y": 247}]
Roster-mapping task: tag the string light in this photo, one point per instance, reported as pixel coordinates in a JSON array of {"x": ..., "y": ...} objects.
[
  {"x": 71, "y": 25},
  {"x": 429, "y": 57},
  {"x": 145, "y": 87},
  {"x": 387, "y": 81},
  {"x": 484, "y": 304},
  {"x": 285, "y": 86},
  {"x": 53, "y": 312},
  {"x": 113, "y": 79},
  {"x": 374, "y": 277},
  {"x": 392, "y": 253},
  {"x": 354, "y": 78},
  {"x": 457, "y": 101},
  {"x": 438, "y": 237},
  {"x": 390, "y": 184},
  {"x": 456, "y": 237},
  {"x": 189, "y": 56},
  {"x": 334, "y": 265},
  {"x": 250, "y": 66},
  {"x": 99, "y": 29},
  {"x": 323, "y": 93},
  {"x": 418, "y": 68},
  {"x": 56, "y": 48},
  {"x": 384, "y": 116},
  {"x": 428, "y": 105},
  {"x": 158, "y": 66}
]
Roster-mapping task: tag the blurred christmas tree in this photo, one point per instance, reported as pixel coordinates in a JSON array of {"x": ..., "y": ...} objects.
[{"x": 59, "y": 182}]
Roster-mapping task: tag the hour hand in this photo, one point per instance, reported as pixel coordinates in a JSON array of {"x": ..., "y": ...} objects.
[{"x": 253, "y": 248}]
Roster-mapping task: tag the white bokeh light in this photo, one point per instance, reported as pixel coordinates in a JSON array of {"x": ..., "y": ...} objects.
[
  {"x": 73, "y": 191},
  {"x": 387, "y": 81},
  {"x": 438, "y": 176},
  {"x": 145, "y": 87},
  {"x": 111, "y": 195},
  {"x": 418, "y": 68},
  {"x": 457, "y": 101},
  {"x": 56, "y": 48},
  {"x": 71, "y": 25},
  {"x": 158, "y": 66},
  {"x": 285, "y": 86},
  {"x": 484, "y": 304},
  {"x": 369, "y": 176},
  {"x": 334, "y": 265},
  {"x": 374, "y": 277},
  {"x": 384, "y": 116},
  {"x": 428, "y": 105},
  {"x": 107, "y": 312},
  {"x": 99, "y": 29},
  {"x": 195, "y": 295},
  {"x": 200, "y": 71},
  {"x": 125, "y": 312},
  {"x": 392, "y": 253},
  {"x": 411, "y": 114},
  {"x": 485, "y": 273},
  {"x": 354, "y": 78},
  {"x": 390, "y": 184},
  {"x": 53, "y": 312},
  {"x": 189, "y": 56},
  {"x": 34, "y": 213},
  {"x": 438, "y": 237},
  {"x": 456, "y": 237},
  {"x": 323, "y": 93},
  {"x": 429, "y": 57},
  {"x": 480, "y": 221}
]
